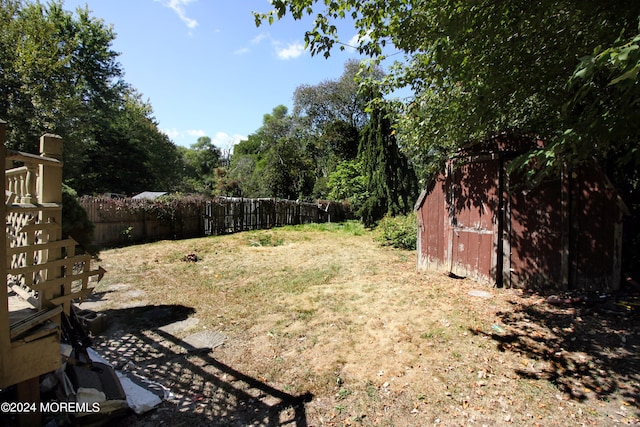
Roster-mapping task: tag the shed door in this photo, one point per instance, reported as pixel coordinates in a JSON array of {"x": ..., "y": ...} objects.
[{"x": 475, "y": 219}]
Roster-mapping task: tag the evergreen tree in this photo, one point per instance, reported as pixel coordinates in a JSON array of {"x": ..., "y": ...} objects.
[{"x": 392, "y": 185}]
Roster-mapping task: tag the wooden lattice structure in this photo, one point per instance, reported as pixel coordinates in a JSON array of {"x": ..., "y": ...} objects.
[{"x": 43, "y": 273}]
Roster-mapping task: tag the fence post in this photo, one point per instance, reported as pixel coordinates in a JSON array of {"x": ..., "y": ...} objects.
[{"x": 50, "y": 191}]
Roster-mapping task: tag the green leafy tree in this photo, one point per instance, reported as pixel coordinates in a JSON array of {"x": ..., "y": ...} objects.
[
  {"x": 276, "y": 125},
  {"x": 247, "y": 167},
  {"x": 274, "y": 161},
  {"x": 75, "y": 221},
  {"x": 288, "y": 172},
  {"x": 337, "y": 100},
  {"x": 59, "y": 74},
  {"x": 480, "y": 67},
  {"x": 200, "y": 163},
  {"x": 563, "y": 71},
  {"x": 605, "y": 108},
  {"x": 226, "y": 185},
  {"x": 349, "y": 183},
  {"x": 332, "y": 114},
  {"x": 605, "y": 103},
  {"x": 129, "y": 143}
]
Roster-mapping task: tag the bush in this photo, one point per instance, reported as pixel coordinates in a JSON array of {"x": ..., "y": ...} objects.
[
  {"x": 75, "y": 222},
  {"x": 399, "y": 231}
]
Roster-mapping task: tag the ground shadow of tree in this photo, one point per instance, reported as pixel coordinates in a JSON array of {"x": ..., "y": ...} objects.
[
  {"x": 583, "y": 347},
  {"x": 204, "y": 390}
]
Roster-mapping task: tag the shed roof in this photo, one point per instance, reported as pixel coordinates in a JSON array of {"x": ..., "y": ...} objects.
[{"x": 149, "y": 195}]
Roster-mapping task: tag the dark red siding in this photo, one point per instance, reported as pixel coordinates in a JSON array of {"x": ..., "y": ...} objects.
[
  {"x": 478, "y": 221},
  {"x": 432, "y": 222},
  {"x": 474, "y": 218},
  {"x": 534, "y": 236}
]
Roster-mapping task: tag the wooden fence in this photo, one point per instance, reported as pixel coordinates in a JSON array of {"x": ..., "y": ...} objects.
[{"x": 126, "y": 221}]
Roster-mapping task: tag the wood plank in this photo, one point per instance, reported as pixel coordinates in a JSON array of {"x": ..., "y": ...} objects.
[
  {"x": 68, "y": 279},
  {"x": 67, "y": 298},
  {"x": 27, "y": 360},
  {"x": 33, "y": 226},
  {"x": 49, "y": 264},
  {"x": 42, "y": 246},
  {"x": 4, "y": 295},
  {"x": 43, "y": 330},
  {"x": 29, "y": 322},
  {"x": 29, "y": 391},
  {"x": 29, "y": 207},
  {"x": 50, "y": 284},
  {"x": 21, "y": 218},
  {"x": 21, "y": 156}
]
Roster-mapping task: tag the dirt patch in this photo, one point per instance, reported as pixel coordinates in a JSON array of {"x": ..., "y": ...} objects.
[{"x": 329, "y": 328}]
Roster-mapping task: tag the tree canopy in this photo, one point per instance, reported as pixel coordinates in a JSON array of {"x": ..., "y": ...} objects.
[
  {"x": 332, "y": 114},
  {"x": 59, "y": 74},
  {"x": 274, "y": 162},
  {"x": 478, "y": 68},
  {"x": 561, "y": 71},
  {"x": 332, "y": 101}
]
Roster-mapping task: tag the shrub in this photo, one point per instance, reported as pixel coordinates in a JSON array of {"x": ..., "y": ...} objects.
[
  {"x": 399, "y": 231},
  {"x": 75, "y": 222}
]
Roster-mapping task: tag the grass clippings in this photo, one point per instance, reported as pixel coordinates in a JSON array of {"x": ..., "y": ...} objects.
[{"x": 324, "y": 326}]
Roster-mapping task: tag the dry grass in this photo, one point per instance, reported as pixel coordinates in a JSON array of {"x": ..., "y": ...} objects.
[{"x": 326, "y": 311}]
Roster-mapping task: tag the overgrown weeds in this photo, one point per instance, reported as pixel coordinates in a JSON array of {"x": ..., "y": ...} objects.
[{"x": 399, "y": 231}]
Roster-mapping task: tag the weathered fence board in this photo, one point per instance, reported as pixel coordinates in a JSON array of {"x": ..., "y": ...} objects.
[{"x": 124, "y": 221}]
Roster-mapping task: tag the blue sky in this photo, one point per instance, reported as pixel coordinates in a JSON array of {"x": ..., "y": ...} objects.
[{"x": 206, "y": 68}]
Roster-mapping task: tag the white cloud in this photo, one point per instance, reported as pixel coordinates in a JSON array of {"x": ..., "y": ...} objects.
[
  {"x": 242, "y": 51},
  {"x": 171, "y": 133},
  {"x": 196, "y": 132},
  {"x": 254, "y": 41},
  {"x": 225, "y": 141},
  {"x": 356, "y": 41},
  {"x": 294, "y": 50},
  {"x": 178, "y": 6},
  {"x": 352, "y": 43},
  {"x": 257, "y": 39},
  {"x": 222, "y": 140}
]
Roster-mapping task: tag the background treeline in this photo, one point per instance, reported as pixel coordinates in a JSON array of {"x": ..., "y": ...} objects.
[
  {"x": 561, "y": 71},
  {"x": 60, "y": 75}
]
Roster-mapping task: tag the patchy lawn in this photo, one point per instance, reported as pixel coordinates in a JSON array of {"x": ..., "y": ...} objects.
[{"x": 322, "y": 326}]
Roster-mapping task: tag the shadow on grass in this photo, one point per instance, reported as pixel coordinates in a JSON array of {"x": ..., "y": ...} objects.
[
  {"x": 205, "y": 390},
  {"x": 586, "y": 348}
]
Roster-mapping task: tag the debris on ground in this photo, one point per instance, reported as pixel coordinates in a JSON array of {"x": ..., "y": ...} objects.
[
  {"x": 190, "y": 258},
  {"x": 89, "y": 381}
]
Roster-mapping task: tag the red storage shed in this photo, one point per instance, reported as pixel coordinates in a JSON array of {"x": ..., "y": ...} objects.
[{"x": 478, "y": 220}]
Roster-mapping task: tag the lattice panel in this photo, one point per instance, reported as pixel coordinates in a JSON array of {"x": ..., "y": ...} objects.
[
  {"x": 20, "y": 234},
  {"x": 42, "y": 268}
]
